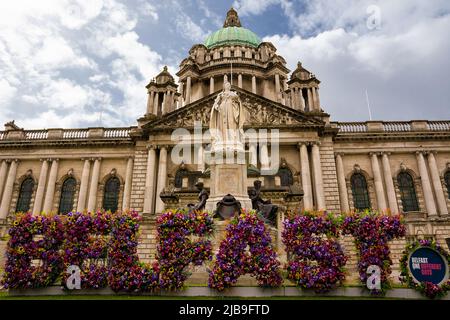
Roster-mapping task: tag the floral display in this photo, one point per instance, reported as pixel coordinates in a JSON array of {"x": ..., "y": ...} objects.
[
  {"x": 126, "y": 272},
  {"x": 33, "y": 238},
  {"x": 176, "y": 250},
  {"x": 316, "y": 259},
  {"x": 428, "y": 289},
  {"x": 233, "y": 259},
  {"x": 372, "y": 231},
  {"x": 85, "y": 245}
]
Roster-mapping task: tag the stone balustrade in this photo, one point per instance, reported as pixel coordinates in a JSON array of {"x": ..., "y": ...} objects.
[
  {"x": 392, "y": 126},
  {"x": 67, "y": 134}
]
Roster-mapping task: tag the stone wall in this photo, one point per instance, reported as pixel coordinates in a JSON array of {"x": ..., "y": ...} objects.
[{"x": 330, "y": 184}]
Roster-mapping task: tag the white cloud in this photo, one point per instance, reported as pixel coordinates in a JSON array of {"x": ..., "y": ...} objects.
[
  {"x": 188, "y": 29},
  {"x": 403, "y": 64},
  {"x": 63, "y": 63},
  {"x": 248, "y": 7},
  {"x": 7, "y": 92}
]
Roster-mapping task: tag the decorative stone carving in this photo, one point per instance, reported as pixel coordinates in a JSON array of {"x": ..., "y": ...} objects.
[
  {"x": 227, "y": 208},
  {"x": 257, "y": 113},
  {"x": 403, "y": 167},
  {"x": 357, "y": 168}
]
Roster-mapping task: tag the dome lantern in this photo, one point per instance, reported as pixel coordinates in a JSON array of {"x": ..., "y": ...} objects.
[{"x": 232, "y": 33}]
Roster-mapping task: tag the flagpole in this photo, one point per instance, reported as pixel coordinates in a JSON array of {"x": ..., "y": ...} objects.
[{"x": 368, "y": 106}]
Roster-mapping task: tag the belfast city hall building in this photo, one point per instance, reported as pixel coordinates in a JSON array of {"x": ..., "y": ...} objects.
[{"x": 305, "y": 161}]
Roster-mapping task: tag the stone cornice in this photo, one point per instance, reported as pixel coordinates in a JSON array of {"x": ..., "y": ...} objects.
[
  {"x": 392, "y": 136},
  {"x": 73, "y": 143}
]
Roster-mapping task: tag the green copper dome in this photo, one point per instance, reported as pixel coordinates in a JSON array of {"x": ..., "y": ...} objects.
[{"x": 232, "y": 35}]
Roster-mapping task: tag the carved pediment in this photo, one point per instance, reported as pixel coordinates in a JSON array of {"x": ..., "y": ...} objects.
[{"x": 260, "y": 112}]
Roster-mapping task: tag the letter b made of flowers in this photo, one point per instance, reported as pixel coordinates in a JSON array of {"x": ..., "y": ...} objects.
[{"x": 33, "y": 259}]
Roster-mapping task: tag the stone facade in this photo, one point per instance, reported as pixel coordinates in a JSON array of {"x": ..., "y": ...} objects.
[{"x": 320, "y": 155}]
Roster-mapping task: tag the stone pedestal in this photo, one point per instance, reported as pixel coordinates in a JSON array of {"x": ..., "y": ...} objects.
[{"x": 228, "y": 176}]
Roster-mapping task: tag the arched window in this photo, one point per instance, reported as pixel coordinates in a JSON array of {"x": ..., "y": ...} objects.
[
  {"x": 286, "y": 177},
  {"x": 111, "y": 196},
  {"x": 407, "y": 192},
  {"x": 360, "y": 193},
  {"x": 25, "y": 193},
  {"x": 67, "y": 194},
  {"x": 447, "y": 182}
]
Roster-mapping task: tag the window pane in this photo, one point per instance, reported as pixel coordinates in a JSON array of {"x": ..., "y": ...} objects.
[
  {"x": 360, "y": 193},
  {"x": 67, "y": 194},
  {"x": 25, "y": 193},
  {"x": 407, "y": 192},
  {"x": 111, "y": 196}
]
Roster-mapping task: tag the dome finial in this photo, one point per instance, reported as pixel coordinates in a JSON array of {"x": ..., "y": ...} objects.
[{"x": 232, "y": 19}]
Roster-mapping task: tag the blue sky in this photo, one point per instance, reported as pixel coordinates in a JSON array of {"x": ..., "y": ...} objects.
[{"x": 79, "y": 63}]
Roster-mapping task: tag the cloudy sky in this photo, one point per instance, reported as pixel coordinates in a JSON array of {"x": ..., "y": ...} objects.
[{"x": 80, "y": 63}]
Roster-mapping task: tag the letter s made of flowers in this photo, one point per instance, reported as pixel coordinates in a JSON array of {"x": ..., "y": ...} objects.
[
  {"x": 316, "y": 259},
  {"x": 372, "y": 231}
]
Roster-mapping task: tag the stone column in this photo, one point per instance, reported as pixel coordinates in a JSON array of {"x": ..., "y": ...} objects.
[
  {"x": 8, "y": 189},
  {"x": 50, "y": 194},
  {"x": 254, "y": 84},
  {"x": 211, "y": 85},
  {"x": 379, "y": 190},
  {"x": 317, "y": 99},
  {"x": 201, "y": 162},
  {"x": 155, "y": 103},
  {"x": 3, "y": 173},
  {"x": 392, "y": 199},
  {"x": 188, "y": 90},
  {"x": 92, "y": 202},
  {"x": 320, "y": 196},
  {"x": 170, "y": 103},
  {"x": 277, "y": 86},
  {"x": 162, "y": 177},
  {"x": 38, "y": 199},
  {"x": 127, "y": 187},
  {"x": 264, "y": 156},
  {"x": 180, "y": 103},
  {"x": 150, "y": 180},
  {"x": 343, "y": 195},
  {"x": 310, "y": 99},
  {"x": 240, "y": 80},
  {"x": 302, "y": 102},
  {"x": 253, "y": 154},
  {"x": 295, "y": 98},
  {"x": 306, "y": 177},
  {"x": 150, "y": 102},
  {"x": 81, "y": 204},
  {"x": 313, "y": 94},
  {"x": 426, "y": 186},
  {"x": 441, "y": 202},
  {"x": 163, "y": 105}
]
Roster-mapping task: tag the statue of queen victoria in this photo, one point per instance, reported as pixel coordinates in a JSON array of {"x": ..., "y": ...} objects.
[{"x": 227, "y": 120}]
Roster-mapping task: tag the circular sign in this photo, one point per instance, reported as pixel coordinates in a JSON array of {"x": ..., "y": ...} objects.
[{"x": 427, "y": 265}]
